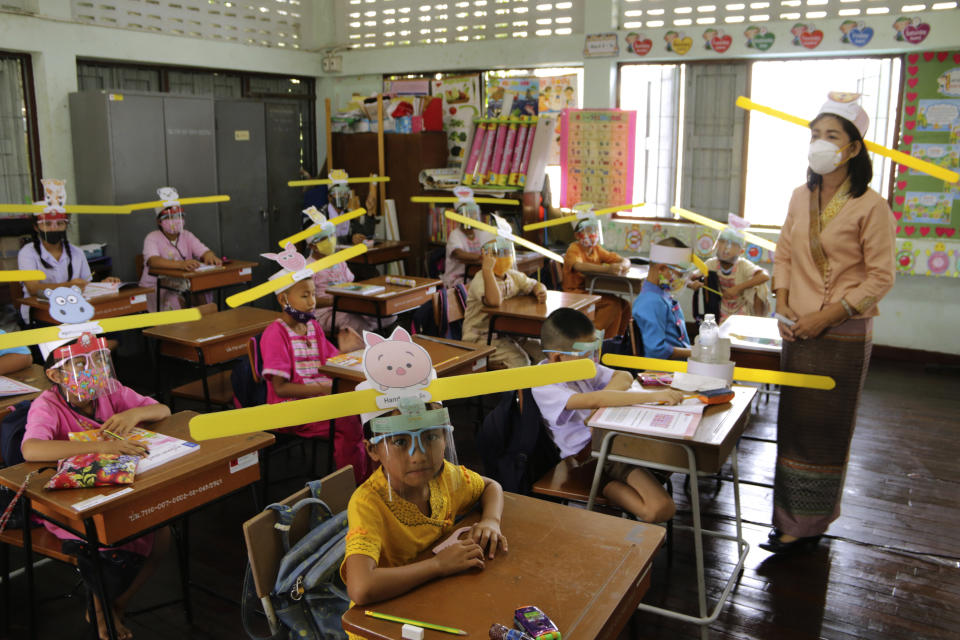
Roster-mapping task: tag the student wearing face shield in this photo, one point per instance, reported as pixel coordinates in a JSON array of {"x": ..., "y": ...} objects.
[{"x": 656, "y": 310}]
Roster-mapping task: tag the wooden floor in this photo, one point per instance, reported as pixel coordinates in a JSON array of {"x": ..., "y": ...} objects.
[{"x": 890, "y": 567}]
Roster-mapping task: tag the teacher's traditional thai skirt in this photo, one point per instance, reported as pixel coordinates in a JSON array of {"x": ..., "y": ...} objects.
[{"x": 814, "y": 428}]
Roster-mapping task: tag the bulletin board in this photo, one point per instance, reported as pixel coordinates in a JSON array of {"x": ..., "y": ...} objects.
[
  {"x": 596, "y": 156},
  {"x": 928, "y": 209}
]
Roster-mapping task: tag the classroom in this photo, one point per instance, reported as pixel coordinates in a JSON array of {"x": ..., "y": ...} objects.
[{"x": 522, "y": 319}]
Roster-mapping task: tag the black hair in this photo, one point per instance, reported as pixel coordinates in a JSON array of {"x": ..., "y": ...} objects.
[
  {"x": 672, "y": 242},
  {"x": 859, "y": 167},
  {"x": 35, "y": 232},
  {"x": 563, "y": 327}
]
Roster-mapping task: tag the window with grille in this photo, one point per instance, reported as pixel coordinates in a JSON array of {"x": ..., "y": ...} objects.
[
  {"x": 19, "y": 157},
  {"x": 657, "y": 13},
  {"x": 387, "y": 23},
  {"x": 265, "y": 23}
]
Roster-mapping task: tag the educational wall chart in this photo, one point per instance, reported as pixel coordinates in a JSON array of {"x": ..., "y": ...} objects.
[
  {"x": 526, "y": 96},
  {"x": 927, "y": 209},
  {"x": 596, "y": 156},
  {"x": 461, "y": 104},
  {"x": 556, "y": 94}
]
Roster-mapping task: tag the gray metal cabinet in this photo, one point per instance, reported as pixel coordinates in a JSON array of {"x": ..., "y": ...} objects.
[{"x": 125, "y": 145}]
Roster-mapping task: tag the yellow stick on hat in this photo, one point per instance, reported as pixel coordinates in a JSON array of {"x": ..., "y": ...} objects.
[
  {"x": 153, "y": 204},
  {"x": 313, "y": 229},
  {"x": 452, "y": 200},
  {"x": 783, "y": 378},
  {"x": 338, "y": 405},
  {"x": 719, "y": 226},
  {"x": 270, "y": 286},
  {"x": 470, "y": 222},
  {"x": 311, "y": 182},
  {"x": 897, "y": 156},
  {"x": 22, "y": 276},
  {"x": 573, "y": 218}
]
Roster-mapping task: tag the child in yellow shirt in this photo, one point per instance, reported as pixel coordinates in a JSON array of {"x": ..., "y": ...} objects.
[{"x": 410, "y": 503}]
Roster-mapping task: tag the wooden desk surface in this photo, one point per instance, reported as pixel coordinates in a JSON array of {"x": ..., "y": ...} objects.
[
  {"x": 383, "y": 251},
  {"x": 754, "y": 341},
  {"x": 233, "y": 265},
  {"x": 635, "y": 275},
  {"x": 34, "y": 376},
  {"x": 124, "y": 302},
  {"x": 450, "y": 357},
  {"x": 527, "y": 307},
  {"x": 157, "y": 495},
  {"x": 392, "y": 300},
  {"x": 719, "y": 429},
  {"x": 390, "y": 291},
  {"x": 586, "y": 570},
  {"x": 215, "y": 327}
]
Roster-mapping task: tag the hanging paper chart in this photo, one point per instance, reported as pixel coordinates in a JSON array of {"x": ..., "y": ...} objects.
[{"x": 596, "y": 156}]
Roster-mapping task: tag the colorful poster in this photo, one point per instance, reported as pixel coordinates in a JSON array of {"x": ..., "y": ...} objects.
[
  {"x": 596, "y": 156},
  {"x": 924, "y": 206},
  {"x": 556, "y": 94},
  {"x": 461, "y": 104},
  {"x": 525, "y": 96}
]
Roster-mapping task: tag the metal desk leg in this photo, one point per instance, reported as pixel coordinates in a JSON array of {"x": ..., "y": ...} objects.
[
  {"x": 92, "y": 549},
  {"x": 490, "y": 329},
  {"x": 183, "y": 552},
  {"x": 28, "y": 568},
  {"x": 604, "y": 452},
  {"x": 203, "y": 378}
]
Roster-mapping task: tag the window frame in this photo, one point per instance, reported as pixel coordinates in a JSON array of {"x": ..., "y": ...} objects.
[{"x": 34, "y": 161}]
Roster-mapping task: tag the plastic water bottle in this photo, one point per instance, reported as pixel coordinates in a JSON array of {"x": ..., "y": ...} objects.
[{"x": 709, "y": 336}]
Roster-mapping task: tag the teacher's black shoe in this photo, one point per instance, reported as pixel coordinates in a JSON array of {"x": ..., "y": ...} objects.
[
  {"x": 800, "y": 545},
  {"x": 774, "y": 534}
]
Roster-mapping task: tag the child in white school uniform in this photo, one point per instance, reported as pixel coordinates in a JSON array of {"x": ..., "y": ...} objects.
[
  {"x": 63, "y": 263},
  {"x": 172, "y": 246},
  {"x": 567, "y": 334}
]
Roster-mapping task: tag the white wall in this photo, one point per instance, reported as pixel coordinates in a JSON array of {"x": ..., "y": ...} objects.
[{"x": 918, "y": 314}]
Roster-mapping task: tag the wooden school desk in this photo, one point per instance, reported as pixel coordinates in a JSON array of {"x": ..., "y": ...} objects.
[
  {"x": 205, "y": 279},
  {"x": 35, "y": 377},
  {"x": 392, "y": 300},
  {"x": 714, "y": 441},
  {"x": 528, "y": 262},
  {"x": 587, "y": 571},
  {"x": 381, "y": 252},
  {"x": 628, "y": 284},
  {"x": 754, "y": 341},
  {"x": 213, "y": 339},
  {"x": 450, "y": 358},
  {"x": 122, "y": 303},
  {"x": 156, "y": 497},
  {"x": 523, "y": 315}
]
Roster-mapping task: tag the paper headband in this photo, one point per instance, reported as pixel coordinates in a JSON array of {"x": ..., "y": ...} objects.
[
  {"x": 680, "y": 256},
  {"x": 897, "y": 156}
]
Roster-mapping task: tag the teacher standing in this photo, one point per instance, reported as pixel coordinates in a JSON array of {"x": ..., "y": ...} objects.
[{"x": 834, "y": 262}]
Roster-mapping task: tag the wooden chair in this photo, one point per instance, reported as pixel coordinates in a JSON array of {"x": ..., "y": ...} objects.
[
  {"x": 221, "y": 389},
  {"x": 264, "y": 547},
  {"x": 138, "y": 265}
]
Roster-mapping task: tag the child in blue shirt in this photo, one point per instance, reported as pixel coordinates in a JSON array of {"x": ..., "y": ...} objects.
[
  {"x": 663, "y": 328},
  {"x": 14, "y": 359}
]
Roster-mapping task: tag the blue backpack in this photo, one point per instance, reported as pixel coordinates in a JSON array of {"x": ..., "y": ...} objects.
[{"x": 309, "y": 597}]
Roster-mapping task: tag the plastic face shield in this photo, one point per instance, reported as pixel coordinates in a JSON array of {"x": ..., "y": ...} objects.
[
  {"x": 582, "y": 349},
  {"x": 470, "y": 210},
  {"x": 86, "y": 369},
  {"x": 414, "y": 445},
  {"x": 340, "y": 195},
  {"x": 729, "y": 246},
  {"x": 324, "y": 239},
  {"x": 589, "y": 233},
  {"x": 171, "y": 219},
  {"x": 501, "y": 249}
]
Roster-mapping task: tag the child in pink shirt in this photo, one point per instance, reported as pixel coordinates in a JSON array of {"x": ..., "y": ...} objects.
[
  {"x": 293, "y": 348},
  {"x": 86, "y": 395},
  {"x": 172, "y": 247}
]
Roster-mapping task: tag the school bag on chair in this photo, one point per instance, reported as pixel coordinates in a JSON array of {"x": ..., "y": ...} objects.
[
  {"x": 711, "y": 301},
  {"x": 12, "y": 428},
  {"x": 308, "y": 597}
]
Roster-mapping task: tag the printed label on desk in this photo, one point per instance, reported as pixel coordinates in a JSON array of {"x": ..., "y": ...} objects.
[
  {"x": 479, "y": 364},
  {"x": 137, "y": 299},
  {"x": 246, "y": 271},
  {"x": 95, "y": 500},
  {"x": 431, "y": 291},
  {"x": 590, "y": 309},
  {"x": 241, "y": 463}
]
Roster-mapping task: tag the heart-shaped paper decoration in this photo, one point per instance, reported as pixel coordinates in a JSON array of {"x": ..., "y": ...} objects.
[
  {"x": 940, "y": 231},
  {"x": 763, "y": 41},
  {"x": 928, "y": 56},
  {"x": 915, "y": 34},
  {"x": 642, "y": 47},
  {"x": 898, "y": 214},
  {"x": 907, "y": 139},
  {"x": 913, "y": 57},
  {"x": 911, "y": 96},
  {"x": 909, "y": 230},
  {"x": 913, "y": 70},
  {"x": 902, "y": 185},
  {"x": 912, "y": 82},
  {"x": 682, "y": 45},
  {"x": 910, "y": 124},
  {"x": 950, "y": 232},
  {"x": 860, "y": 37},
  {"x": 720, "y": 43},
  {"x": 898, "y": 199},
  {"x": 898, "y": 228},
  {"x": 911, "y": 110},
  {"x": 810, "y": 39},
  {"x": 924, "y": 231},
  {"x": 956, "y": 58}
]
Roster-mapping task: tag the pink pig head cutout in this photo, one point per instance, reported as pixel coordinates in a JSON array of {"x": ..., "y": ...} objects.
[
  {"x": 289, "y": 259},
  {"x": 396, "y": 362}
]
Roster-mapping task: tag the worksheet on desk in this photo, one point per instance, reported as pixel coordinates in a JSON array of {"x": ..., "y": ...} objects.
[
  {"x": 10, "y": 387},
  {"x": 678, "y": 421},
  {"x": 163, "y": 448}
]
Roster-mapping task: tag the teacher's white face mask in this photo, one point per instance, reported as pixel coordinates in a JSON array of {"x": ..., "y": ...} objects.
[{"x": 824, "y": 156}]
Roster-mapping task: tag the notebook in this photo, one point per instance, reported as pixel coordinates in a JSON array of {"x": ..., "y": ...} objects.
[
  {"x": 353, "y": 287},
  {"x": 352, "y": 361},
  {"x": 163, "y": 448}
]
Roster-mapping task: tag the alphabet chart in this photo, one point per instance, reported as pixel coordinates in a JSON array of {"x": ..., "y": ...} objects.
[{"x": 596, "y": 156}]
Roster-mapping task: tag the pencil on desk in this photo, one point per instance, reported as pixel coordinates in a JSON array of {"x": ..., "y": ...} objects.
[
  {"x": 112, "y": 434},
  {"x": 425, "y": 625}
]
